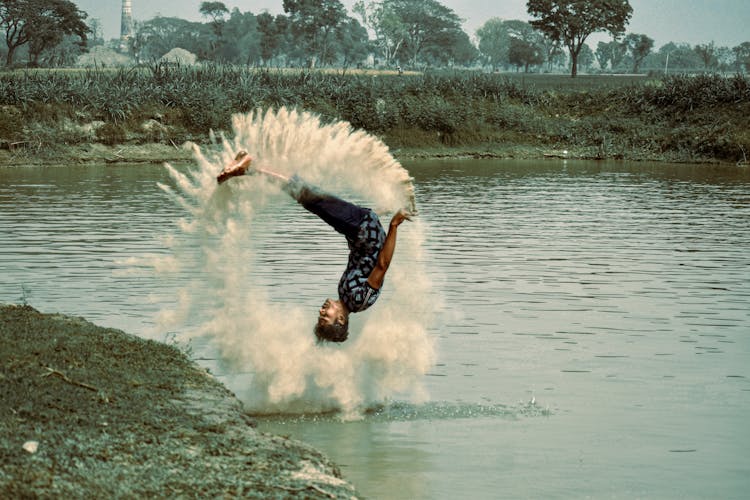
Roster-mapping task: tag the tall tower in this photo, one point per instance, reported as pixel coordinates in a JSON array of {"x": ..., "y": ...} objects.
[{"x": 126, "y": 25}]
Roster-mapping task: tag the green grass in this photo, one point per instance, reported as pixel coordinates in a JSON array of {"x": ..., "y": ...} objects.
[{"x": 680, "y": 117}]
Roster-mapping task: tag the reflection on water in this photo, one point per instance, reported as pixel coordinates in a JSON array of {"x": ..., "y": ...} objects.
[{"x": 615, "y": 296}]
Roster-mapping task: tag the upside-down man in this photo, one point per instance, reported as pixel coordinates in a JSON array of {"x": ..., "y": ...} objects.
[{"x": 370, "y": 248}]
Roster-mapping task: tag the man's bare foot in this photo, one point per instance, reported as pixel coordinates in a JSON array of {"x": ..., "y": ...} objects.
[{"x": 239, "y": 167}]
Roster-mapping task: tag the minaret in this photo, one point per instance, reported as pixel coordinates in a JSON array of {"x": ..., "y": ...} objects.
[{"x": 126, "y": 26}]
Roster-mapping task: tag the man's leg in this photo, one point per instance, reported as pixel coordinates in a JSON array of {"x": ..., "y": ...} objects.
[
  {"x": 341, "y": 215},
  {"x": 239, "y": 167}
]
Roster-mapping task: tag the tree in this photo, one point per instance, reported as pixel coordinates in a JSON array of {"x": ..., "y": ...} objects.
[
  {"x": 96, "y": 33},
  {"x": 269, "y": 37},
  {"x": 216, "y": 12},
  {"x": 602, "y": 55},
  {"x": 40, "y": 23},
  {"x": 243, "y": 29},
  {"x": 387, "y": 28},
  {"x": 524, "y": 54},
  {"x": 494, "y": 42},
  {"x": 572, "y": 21},
  {"x": 586, "y": 58},
  {"x": 526, "y": 44},
  {"x": 353, "y": 42},
  {"x": 159, "y": 35},
  {"x": 678, "y": 57},
  {"x": 511, "y": 42},
  {"x": 315, "y": 23},
  {"x": 742, "y": 56},
  {"x": 64, "y": 53},
  {"x": 375, "y": 19},
  {"x": 462, "y": 50},
  {"x": 612, "y": 53},
  {"x": 414, "y": 30},
  {"x": 425, "y": 23},
  {"x": 553, "y": 53},
  {"x": 707, "y": 54},
  {"x": 724, "y": 59},
  {"x": 639, "y": 46}
]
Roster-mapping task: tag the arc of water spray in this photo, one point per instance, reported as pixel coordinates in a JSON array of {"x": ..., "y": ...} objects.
[{"x": 391, "y": 352}]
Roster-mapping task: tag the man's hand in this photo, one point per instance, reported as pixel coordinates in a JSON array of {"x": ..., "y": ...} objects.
[{"x": 400, "y": 217}]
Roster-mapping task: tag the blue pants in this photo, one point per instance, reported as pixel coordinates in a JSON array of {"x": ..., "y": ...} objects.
[{"x": 344, "y": 217}]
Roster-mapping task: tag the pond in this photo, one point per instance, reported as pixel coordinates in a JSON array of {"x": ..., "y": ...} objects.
[{"x": 592, "y": 331}]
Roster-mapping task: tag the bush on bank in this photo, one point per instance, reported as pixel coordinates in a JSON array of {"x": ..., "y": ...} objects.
[{"x": 680, "y": 117}]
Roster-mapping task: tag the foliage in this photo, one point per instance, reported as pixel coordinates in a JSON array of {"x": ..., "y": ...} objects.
[
  {"x": 352, "y": 43},
  {"x": 41, "y": 24},
  {"x": 111, "y": 133},
  {"x": 424, "y": 23},
  {"x": 494, "y": 42},
  {"x": 414, "y": 31},
  {"x": 742, "y": 56},
  {"x": 586, "y": 57},
  {"x": 602, "y": 116},
  {"x": 707, "y": 54},
  {"x": 156, "y": 37},
  {"x": 524, "y": 54},
  {"x": 315, "y": 23},
  {"x": 385, "y": 24},
  {"x": 610, "y": 53},
  {"x": 514, "y": 43},
  {"x": 11, "y": 126},
  {"x": 572, "y": 21},
  {"x": 639, "y": 46},
  {"x": 272, "y": 36},
  {"x": 216, "y": 12},
  {"x": 240, "y": 41},
  {"x": 678, "y": 57}
]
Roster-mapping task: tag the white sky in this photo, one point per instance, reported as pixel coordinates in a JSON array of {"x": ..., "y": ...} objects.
[{"x": 726, "y": 22}]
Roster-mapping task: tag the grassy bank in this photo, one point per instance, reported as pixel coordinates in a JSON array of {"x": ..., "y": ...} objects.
[
  {"x": 679, "y": 118},
  {"x": 92, "y": 412}
]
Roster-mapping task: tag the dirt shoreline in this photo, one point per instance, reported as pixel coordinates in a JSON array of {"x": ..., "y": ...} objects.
[
  {"x": 92, "y": 412},
  {"x": 155, "y": 153}
]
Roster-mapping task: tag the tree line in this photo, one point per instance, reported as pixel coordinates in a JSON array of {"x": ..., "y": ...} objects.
[{"x": 379, "y": 33}]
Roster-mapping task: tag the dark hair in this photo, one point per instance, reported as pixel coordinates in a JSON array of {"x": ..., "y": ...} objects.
[{"x": 337, "y": 332}]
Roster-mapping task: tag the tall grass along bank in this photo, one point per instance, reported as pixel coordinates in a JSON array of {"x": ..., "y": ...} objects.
[{"x": 678, "y": 118}]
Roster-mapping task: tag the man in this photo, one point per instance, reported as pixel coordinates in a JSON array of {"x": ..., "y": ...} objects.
[{"x": 370, "y": 248}]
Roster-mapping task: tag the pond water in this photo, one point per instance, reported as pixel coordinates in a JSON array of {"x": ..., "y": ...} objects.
[{"x": 593, "y": 338}]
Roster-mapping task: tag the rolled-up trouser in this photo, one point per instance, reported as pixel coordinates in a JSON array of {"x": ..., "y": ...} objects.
[{"x": 344, "y": 217}]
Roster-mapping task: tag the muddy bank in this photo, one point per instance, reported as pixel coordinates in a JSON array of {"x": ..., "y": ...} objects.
[
  {"x": 136, "y": 154},
  {"x": 159, "y": 153},
  {"x": 94, "y": 412}
]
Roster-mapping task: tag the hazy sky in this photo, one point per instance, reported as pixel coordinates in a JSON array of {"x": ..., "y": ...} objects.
[{"x": 693, "y": 21}]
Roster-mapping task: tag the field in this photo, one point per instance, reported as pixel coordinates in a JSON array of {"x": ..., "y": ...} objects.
[
  {"x": 698, "y": 118},
  {"x": 560, "y": 82}
]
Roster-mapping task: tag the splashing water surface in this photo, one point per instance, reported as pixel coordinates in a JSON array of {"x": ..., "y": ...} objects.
[{"x": 389, "y": 349}]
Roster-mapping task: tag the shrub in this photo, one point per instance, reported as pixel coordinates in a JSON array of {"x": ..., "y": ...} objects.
[
  {"x": 11, "y": 124},
  {"x": 111, "y": 134}
]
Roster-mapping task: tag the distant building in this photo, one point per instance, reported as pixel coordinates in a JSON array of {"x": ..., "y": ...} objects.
[{"x": 126, "y": 25}]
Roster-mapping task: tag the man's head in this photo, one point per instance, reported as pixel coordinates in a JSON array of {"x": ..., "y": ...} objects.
[{"x": 333, "y": 321}]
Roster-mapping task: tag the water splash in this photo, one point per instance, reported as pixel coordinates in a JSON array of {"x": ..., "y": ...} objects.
[
  {"x": 400, "y": 411},
  {"x": 390, "y": 352}
]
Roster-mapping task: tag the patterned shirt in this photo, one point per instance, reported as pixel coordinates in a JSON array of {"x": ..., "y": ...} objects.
[{"x": 354, "y": 291}]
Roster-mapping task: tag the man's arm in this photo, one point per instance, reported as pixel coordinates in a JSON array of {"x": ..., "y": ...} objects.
[{"x": 377, "y": 275}]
